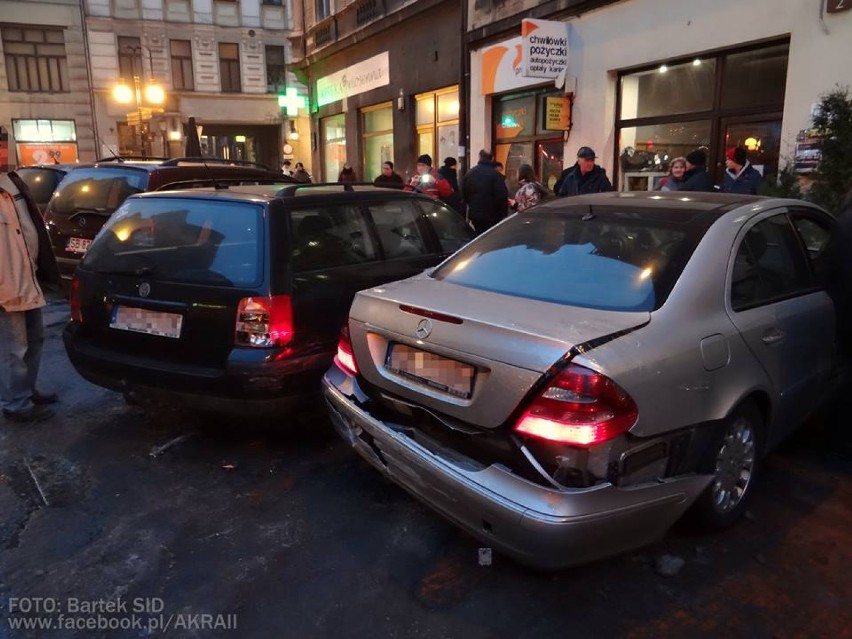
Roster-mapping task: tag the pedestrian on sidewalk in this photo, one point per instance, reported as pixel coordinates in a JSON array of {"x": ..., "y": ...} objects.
[
  {"x": 389, "y": 178},
  {"x": 696, "y": 177},
  {"x": 428, "y": 181},
  {"x": 740, "y": 175},
  {"x": 530, "y": 191},
  {"x": 28, "y": 268},
  {"x": 485, "y": 194},
  {"x": 450, "y": 174},
  {"x": 584, "y": 177}
]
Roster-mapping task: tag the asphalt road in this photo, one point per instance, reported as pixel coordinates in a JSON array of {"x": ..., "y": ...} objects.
[{"x": 279, "y": 529}]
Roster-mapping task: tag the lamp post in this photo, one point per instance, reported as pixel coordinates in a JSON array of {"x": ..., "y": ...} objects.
[{"x": 152, "y": 94}]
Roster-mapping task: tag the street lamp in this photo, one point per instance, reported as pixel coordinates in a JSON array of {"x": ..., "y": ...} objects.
[{"x": 154, "y": 95}]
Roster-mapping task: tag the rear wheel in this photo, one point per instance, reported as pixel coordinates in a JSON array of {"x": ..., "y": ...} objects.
[{"x": 732, "y": 459}]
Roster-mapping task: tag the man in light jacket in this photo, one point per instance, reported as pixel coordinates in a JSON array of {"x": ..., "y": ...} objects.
[{"x": 27, "y": 268}]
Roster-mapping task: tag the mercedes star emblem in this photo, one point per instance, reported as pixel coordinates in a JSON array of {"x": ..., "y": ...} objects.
[
  {"x": 144, "y": 289},
  {"x": 424, "y": 329}
]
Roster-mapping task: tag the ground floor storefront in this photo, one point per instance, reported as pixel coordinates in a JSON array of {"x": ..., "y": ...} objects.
[
  {"x": 695, "y": 77},
  {"x": 389, "y": 102}
]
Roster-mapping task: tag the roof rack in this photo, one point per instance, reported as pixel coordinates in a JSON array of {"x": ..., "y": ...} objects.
[
  {"x": 130, "y": 158},
  {"x": 204, "y": 160},
  {"x": 222, "y": 183},
  {"x": 291, "y": 189}
]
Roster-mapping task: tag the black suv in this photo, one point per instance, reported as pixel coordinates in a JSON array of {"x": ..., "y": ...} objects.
[
  {"x": 233, "y": 299},
  {"x": 88, "y": 195}
]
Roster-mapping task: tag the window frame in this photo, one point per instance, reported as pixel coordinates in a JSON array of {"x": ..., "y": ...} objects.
[
  {"x": 435, "y": 124},
  {"x": 230, "y": 68},
  {"x": 281, "y": 84},
  {"x": 799, "y": 256},
  {"x": 366, "y": 135},
  {"x": 717, "y": 114},
  {"x": 178, "y": 62},
  {"x": 129, "y": 54},
  {"x": 45, "y": 72},
  {"x": 537, "y": 135}
]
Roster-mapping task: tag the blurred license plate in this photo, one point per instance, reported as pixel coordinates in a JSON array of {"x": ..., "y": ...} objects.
[
  {"x": 141, "y": 320},
  {"x": 77, "y": 245},
  {"x": 433, "y": 370}
]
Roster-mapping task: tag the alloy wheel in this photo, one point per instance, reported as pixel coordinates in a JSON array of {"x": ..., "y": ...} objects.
[{"x": 735, "y": 464}]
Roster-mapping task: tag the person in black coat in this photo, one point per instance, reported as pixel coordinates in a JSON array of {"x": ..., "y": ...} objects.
[
  {"x": 839, "y": 287},
  {"x": 484, "y": 191},
  {"x": 449, "y": 173},
  {"x": 740, "y": 175},
  {"x": 389, "y": 178},
  {"x": 584, "y": 177},
  {"x": 696, "y": 177}
]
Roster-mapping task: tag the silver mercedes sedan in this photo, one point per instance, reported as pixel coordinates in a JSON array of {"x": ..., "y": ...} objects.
[{"x": 572, "y": 382}]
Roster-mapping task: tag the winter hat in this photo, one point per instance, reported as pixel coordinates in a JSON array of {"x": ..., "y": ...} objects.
[
  {"x": 425, "y": 159},
  {"x": 586, "y": 153},
  {"x": 697, "y": 157},
  {"x": 450, "y": 162},
  {"x": 736, "y": 154}
]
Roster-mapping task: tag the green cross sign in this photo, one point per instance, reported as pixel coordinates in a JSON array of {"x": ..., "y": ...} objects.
[{"x": 292, "y": 101}]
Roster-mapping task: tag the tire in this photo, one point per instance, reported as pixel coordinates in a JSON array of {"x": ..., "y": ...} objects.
[{"x": 733, "y": 460}]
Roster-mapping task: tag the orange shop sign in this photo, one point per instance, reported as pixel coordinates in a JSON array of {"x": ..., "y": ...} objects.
[{"x": 46, "y": 152}]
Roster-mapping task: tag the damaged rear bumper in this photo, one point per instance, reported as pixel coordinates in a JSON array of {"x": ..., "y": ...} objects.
[{"x": 538, "y": 526}]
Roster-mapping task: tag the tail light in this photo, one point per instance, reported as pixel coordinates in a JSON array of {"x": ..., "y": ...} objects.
[
  {"x": 265, "y": 321},
  {"x": 580, "y": 407},
  {"x": 345, "y": 358},
  {"x": 74, "y": 300}
]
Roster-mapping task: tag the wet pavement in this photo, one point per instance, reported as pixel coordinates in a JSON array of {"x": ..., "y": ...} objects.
[{"x": 280, "y": 530}]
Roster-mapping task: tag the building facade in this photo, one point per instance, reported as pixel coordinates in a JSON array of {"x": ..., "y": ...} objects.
[
  {"x": 223, "y": 62},
  {"x": 651, "y": 80},
  {"x": 45, "y": 96},
  {"x": 384, "y": 83}
]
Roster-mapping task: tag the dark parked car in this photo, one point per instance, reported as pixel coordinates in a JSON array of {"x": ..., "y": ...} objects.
[
  {"x": 86, "y": 198},
  {"x": 233, "y": 299},
  {"x": 43, "y": 180}
]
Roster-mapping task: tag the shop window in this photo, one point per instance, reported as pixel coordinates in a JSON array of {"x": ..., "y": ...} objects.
[
  {"x": 276, "y": 70},
  {"x": 733, "y": 98},
  {"x": 129, "y": 57},
  {"x": 521, "y": 137},
  {"x": 669, "y": 89},
  {"x": 333, "y": 131},
  {"x": 377, "y": 128},
  {"x": 755, "y": 78},
  {"x": 181, "y": 52},
  {"x": 647, "y": 151},
  {"x": 437, "y": 118},
  {"x": 35, "y": 60},
  {"x": 229, "y": 67},
  {"x": 45, "y": 141}
]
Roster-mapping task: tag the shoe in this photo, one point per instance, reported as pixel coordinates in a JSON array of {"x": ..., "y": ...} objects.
[
  {"x": 42, "y": 399},
  {"x": 28, "y": 415}
]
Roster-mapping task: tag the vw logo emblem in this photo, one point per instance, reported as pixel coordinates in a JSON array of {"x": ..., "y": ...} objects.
[
  {"x": 144, "y": 289},
  {"x": 82, "y": 221},
  {"x": 424, "y": 329}
]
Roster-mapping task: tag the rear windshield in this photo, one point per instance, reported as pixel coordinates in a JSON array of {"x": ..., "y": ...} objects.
[
  {"x": 97, "y": 189},
  {"x": 42, "y": 182},
  {"x": 182, "y": 240},
  {"x": 613, "y": 262}
]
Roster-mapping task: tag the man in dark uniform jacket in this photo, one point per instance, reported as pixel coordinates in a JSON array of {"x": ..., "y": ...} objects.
[{"x": 584, "y": 177}]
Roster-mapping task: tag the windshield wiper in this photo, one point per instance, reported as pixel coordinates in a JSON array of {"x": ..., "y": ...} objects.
[{"x": 88, "y": 211}]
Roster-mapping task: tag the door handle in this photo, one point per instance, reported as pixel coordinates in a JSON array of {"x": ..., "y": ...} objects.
[{"x": 773, "y": 337}]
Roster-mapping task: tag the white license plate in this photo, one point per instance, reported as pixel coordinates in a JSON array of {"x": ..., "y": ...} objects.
[
  {"x": 77, "y": 245},
  {"x": 141, "y": 320},
  {"x": 433, "y": 370}
]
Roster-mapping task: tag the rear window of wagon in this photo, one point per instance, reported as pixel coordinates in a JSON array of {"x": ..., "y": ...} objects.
[
  {"x": 185, "y": 240},
  {"x": 602, "y": 261}
]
